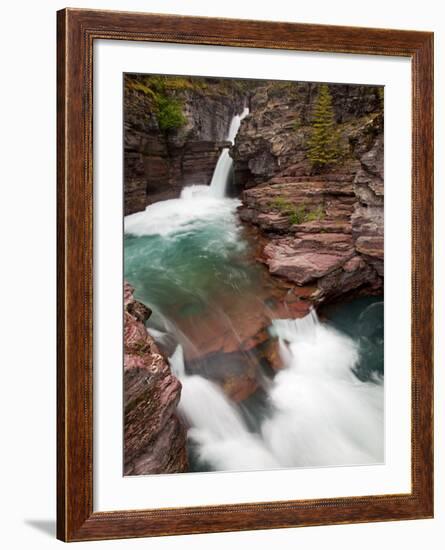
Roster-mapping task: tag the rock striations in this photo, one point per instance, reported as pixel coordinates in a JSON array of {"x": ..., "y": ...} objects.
[
  {"x": 154, "y": 436},
  {"x": 322, "y": 227},
  {"x": 319, "y": 228},
  {"x": 163, "y": 154}
]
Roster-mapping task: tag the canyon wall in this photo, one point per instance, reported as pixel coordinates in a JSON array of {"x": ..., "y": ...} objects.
[
  {"x": 322, "y": 227},
  {"x": 318, "y": 229},
  {"x": 154, "y": 436},
  {"x": 174, "y": 129}
]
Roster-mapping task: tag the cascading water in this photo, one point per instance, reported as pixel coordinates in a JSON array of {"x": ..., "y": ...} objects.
[
  {"x": 320, "y": 413},
  {"x": 187, "y": 259},
  {"x": 216, "y": 425},
  {"x": 223, "y": 168}
]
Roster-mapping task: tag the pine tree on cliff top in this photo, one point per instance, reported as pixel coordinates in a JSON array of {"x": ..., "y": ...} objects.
[{"x": 324, "y": 144}]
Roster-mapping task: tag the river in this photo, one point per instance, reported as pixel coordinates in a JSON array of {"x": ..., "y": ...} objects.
[{"x": 218, "y": 314}]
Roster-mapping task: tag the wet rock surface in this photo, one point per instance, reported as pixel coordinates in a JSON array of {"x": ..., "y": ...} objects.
[
  {"x": 312, "y": 236},
  {"x": 323, "y": 228},
  {"x": 154, "y": 436}
]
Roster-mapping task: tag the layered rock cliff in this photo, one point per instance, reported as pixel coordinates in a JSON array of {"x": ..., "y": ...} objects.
[
  {"x": 174, "y": 129},
  {"x": 154, "y": 436},
  {"x": 319, "y": 227}
]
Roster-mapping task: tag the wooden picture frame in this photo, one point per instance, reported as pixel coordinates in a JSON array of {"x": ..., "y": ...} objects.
[{"x": 77, "y": 31}]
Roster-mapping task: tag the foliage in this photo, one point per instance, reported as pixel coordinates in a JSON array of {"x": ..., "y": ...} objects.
[
  {"x": 381, "y": 94},
  {"x": 169, "y": 113},
  {"x": 140, "y": 87},
  {"x": 324, "y": 143},
  {"x": 165, "y": 93},
  {"x": 317, "y": 214},
  {"x": 162, "y": 84},
  {"x": 281, "y": 203},
  {"x": 160, "y": 90},
  {"x": 297, "y": 214}
]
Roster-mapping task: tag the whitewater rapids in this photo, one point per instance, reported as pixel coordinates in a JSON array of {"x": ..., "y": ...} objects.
[
  {"x": 320, "y": 413},
  {"x": 185, "y": 258}
]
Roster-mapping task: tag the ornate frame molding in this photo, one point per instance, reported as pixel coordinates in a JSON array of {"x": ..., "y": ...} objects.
[{"x": 77, "y": 30}]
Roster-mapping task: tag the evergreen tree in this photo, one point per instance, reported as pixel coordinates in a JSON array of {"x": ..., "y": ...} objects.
[{"x": 324, "y": 143}]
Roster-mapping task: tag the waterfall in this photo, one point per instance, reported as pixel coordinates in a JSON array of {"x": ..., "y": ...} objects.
[
  {"x": 323, "y": 415},
  {"x": 223, "y": 167},
  {"x": 186, "y": 258},
  {"x": 320, "y": 413},
  {"x": 216, "y": 425}
]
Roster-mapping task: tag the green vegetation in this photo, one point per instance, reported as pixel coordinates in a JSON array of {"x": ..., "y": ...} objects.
[
  {"x": 324, "y": 143},
  {"x": 140, "y": 87},
  {"x": 169, "y": 113},
  {"x": 297, "y": 214},
  {"x": 160, "y": 90},
  {"x": 285, "y": 85},
  {"x": 161, "y": 84},
  {"x": 381, "y": 94},
  {"x": 165, "y": 93},
  {"x": 281, "y": 204},
  {"x": 315, "y": 215}
]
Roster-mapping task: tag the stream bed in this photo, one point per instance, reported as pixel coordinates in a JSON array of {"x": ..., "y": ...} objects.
[{"x": 265, "y": 383}]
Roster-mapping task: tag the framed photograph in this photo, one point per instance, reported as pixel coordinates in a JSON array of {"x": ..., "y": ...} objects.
[{"x": 245, "y": 228}]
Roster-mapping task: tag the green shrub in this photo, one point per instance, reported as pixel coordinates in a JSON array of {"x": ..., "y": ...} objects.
[
  {"x": 297, "y": 214},
  {"x": 169, "y": 113},
  {"x": 167, "y": 108},
  {"x": 317, "y": 214},
  {"x": 156, "y": 83},
  {"x": 281, "y": 203}
]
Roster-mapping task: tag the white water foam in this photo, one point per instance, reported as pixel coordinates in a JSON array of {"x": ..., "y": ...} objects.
[
  {"x": 321, "y": 414},
  {"x": 216, "y": 425},
  {"x": 198, "y": 205},
  {"x": 195, "y": 209}
]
